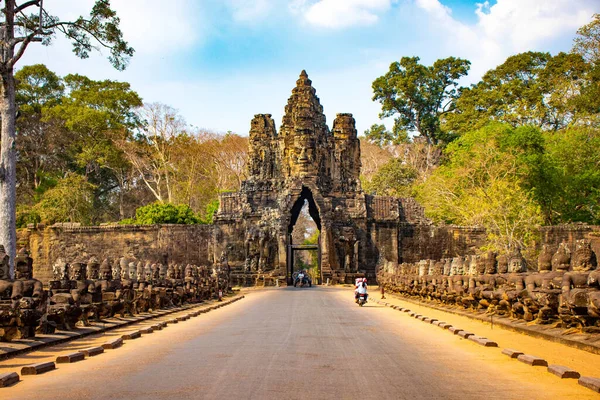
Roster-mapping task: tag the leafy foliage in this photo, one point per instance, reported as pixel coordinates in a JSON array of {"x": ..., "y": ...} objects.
[
  {"x": 380, "y": 136},
  {"x": 394, "y": 178},
  {"x": 531, "y": 88},
  {"x": 481, "y": 184},
  {"x": 417, "y": 95},
  {"x": 71, "y": 200},
  {"x": 165, "y": 213}
]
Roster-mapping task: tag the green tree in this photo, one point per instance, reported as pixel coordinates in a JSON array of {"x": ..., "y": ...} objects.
[
  {"x": 394, "y": 178},
  {"x": 19, "y": 28},
  {"x": 587, "y": 41},
  {"x": 530, "y": 88},
  {"x": 574, "y": 158},
  {"x": 378, "y": 135},
  {"x": 41, "y": 143},
  {"x": 481, "y": 183},
  {"x": 165, "y": 213},
  {"x": 418, "y": 95},
  {"x": 71, "y": 200},
  {"x": 97, "y": 116}
]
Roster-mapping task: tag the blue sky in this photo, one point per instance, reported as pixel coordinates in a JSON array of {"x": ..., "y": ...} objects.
[{"x": 219, "y": 62}]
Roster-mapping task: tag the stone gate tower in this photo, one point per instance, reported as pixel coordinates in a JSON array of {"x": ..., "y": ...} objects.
[{"x": 304, "y": 161}]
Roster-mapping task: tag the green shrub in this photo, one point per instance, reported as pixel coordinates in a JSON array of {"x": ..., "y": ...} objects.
[{"x": 165, "y": 213}]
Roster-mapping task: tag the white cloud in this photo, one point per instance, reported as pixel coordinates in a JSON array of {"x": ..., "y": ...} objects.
[
  {"x": 340, "y": 13},
  {"x": 249, "y": 10},
  {"x": 507, "y": 27}
]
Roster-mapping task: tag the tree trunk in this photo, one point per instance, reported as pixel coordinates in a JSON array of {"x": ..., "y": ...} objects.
[
  {"x": 8, "y": 160},
  {"x": 8, "y": 156}
]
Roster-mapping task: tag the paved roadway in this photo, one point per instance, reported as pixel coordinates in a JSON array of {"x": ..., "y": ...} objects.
[{"x": 305, "y": 343}]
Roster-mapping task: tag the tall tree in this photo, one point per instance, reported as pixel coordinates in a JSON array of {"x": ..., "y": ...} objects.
[
  {"x": 24, "y": 22},
  {"x": 418, "y": 95},
  {"x": 587, "y": 41},
  {"x": 531, "y": 88}
]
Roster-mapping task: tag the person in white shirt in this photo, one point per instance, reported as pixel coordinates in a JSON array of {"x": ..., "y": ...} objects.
[{"x": 362, "y": 289}]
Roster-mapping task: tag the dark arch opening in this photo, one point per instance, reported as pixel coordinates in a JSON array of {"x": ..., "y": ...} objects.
[
  {"x": 305, "y": 195},
  {"x": 305, "y": 200}
]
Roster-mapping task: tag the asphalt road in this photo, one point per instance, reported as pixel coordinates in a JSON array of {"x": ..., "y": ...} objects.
[{"x": 305, "y": 343}]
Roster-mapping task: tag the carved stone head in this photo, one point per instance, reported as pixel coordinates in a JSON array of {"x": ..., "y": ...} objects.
[
  {"x": 561, "y": 260},
  {"x": 93, "y": 268},
  {"x": 155, "y": 271},
  {"x": 438, "y": 268},
  {"x": 116, "y": 270},
  {"x": 189, "y": 273},
  {"x": 516, "y": 262},
  {"x": 423, "y": 267},
  {"x": 171, "y": 272},
  {"x": 105, "y": 270},
  {"x": 584, "y": 258},
  {"x": 23, "y": 265},
  {"x": 4, "y": 264},
  {"x": 545, "y": 259},
  {"x": 162, "y": 271},
  {"x": 139, "y": 272},
  {"x": 78, "y": 271},
  {"x": 488, "y": 263},
  {"x": 431, "y": 269},
  {"x": 447, "y": 266},
  {"x": 148, "y": 271},
  {"x": 474, "y": 265},
  {"x": 178, "y": 273},
  {"x": 457, "y": 266},
  {"x": 132, "y": 271},
  {"x": 502, "y": 262},
  {"x": 60, "y": 270}
]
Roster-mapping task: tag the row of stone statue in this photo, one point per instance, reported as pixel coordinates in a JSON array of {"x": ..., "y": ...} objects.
[
  {"x": 564, "y": 290},
  {"x": 82, "y": 291}
]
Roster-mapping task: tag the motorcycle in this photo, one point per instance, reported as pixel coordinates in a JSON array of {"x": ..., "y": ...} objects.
[
  {"x": 301, "y": 280},
  {"x": 362, "y": 299}
]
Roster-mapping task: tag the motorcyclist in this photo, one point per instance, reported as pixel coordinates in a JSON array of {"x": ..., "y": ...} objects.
[
  {"x": 362, "y": 289},
  {"x": 300, "y": 277}
]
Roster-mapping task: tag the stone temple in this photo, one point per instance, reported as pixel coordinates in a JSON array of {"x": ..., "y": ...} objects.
[{"x": 305, "y": 161}]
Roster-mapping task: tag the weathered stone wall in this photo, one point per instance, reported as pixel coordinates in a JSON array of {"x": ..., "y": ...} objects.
[
  {"x": 425, "y": 241},
  {"x": 185, "y": 244}
]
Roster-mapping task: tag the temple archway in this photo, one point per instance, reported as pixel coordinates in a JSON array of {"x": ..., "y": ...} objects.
[{"x": 305, "y": 200}]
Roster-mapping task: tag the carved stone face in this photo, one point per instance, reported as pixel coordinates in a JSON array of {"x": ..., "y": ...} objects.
[
  {"x": 139, "y": 271},
  {"x": 474, "y": 265},
  {"x": 132, "y": 270},
  {"x": 517, "y": 263},
  {"x": 487, "y": 263},
  {"x": 162, "y": 271},
  {"x": 78, "y": 270},
  {"x": 561, "y": 260},
  {"x": 189, "y": 271},
  {"x": 93, "y": 268},
  {"x": 23, "y": 271},
  {"x": 422, "y": 267},
  {"x": 116, "y": 271},
  {"x": 502, "y": 264},
  {"x": 584, "y": 258},
  {"x": 171, "y": 272}
]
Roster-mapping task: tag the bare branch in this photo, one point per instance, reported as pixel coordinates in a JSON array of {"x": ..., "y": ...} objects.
[
  {"x": 19, "y": 53},
  {"x": 26, "y": 5}
]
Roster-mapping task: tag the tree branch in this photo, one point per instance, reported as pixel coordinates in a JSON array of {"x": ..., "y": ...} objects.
[
  {"x": 26, "y": 5},
  {"x": 31, "y": 37}
]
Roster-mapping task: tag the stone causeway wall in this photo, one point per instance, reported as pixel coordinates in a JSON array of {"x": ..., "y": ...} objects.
[
  {"x": 194, "y": 244},
  {"x": 180, "y": 244}
]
